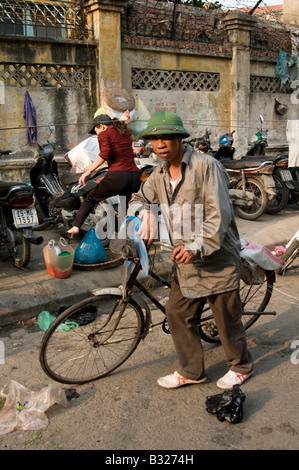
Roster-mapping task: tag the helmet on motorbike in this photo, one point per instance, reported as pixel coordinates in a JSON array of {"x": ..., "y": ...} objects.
[
  {"x": 165, "y": 122},
  {"x": 226, "y": 140}
]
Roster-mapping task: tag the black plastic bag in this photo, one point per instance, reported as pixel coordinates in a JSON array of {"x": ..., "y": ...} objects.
[
  {"x": 227, "y": 405},
  {"x": 84, "y": 316}
]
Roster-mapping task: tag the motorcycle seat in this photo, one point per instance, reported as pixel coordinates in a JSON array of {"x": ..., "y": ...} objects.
[
  {"x": 70, "y": 178},
  {"x": 269, "y": 158},
  {"x": 242, "y": 163},
  {"x": 260, "y": 158},
  {"x": 7, "y": 186}
]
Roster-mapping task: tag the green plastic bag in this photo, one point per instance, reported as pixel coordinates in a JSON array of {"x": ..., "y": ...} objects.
[{"x": 45, "y": 319}]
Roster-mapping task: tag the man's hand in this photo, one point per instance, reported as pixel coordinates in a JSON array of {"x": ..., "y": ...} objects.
[
  {"x": 181, "y": 255},
  {"x": 149, "y": 228}
]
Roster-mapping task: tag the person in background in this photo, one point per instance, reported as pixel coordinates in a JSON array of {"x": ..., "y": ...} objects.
[{"x": 123, "y": 177}]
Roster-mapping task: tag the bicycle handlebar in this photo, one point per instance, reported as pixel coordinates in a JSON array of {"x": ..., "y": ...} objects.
[{"x": 166, "y": 245}]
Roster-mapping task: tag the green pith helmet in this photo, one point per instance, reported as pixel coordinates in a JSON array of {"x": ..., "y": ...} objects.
[{"x": 165, "y": 122}]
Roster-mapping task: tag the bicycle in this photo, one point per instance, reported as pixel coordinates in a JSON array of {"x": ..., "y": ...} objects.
[
  {"x": 112, "y": 322},
  {"x": 291, "y": 253}
]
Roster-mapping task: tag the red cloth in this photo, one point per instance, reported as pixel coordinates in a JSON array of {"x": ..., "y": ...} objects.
[{"x": 117, "y": 150}]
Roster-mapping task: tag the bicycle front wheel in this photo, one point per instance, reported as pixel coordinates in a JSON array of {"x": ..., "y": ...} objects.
[
  {"x": 255, "y": 298},
  {"x": 91, "y": 339}
]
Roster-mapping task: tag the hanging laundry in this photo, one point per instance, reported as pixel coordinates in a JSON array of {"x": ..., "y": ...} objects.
[
  {"x": 282, "y": 68},
  {"x": 30, "y": 118},
  {"x": 287, "y": 68}
]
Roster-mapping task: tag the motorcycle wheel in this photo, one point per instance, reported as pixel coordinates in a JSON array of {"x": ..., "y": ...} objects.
[
  {"x": 280, "y": 200},
  {"x": 258, "y": 207},
  {"x": 22, "y": 250}
]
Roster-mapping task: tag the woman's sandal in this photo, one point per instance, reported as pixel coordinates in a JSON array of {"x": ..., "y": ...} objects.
[{"x": 73, "y": 236}]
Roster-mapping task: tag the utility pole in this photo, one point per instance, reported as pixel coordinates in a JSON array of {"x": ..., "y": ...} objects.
[{"x": 255, "y": 7}]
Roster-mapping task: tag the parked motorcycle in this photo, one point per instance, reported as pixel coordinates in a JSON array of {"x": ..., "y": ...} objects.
[
  {"x": 295, "y": 182},
  {"x": 58, "y": 199},
  {"x": 251, "y": 182},
  {"x": 285, "y": 184},
  {"x": 260, "y": 141},
  {"x": 18, "y": 217}
]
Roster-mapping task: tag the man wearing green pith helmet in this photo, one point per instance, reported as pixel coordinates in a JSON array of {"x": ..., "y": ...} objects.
[{"x": 189, "y": 188}]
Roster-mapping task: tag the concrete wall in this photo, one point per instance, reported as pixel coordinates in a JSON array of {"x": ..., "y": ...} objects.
[
  {"x": 244, "y": 55},
  {"x": 60, "y": 77},
  {"x": 198, "y": 110},
  {"x": 291, "y": 12}
]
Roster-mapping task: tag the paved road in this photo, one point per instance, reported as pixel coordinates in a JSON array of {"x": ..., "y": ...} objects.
[{"x": 129, "y": 411}]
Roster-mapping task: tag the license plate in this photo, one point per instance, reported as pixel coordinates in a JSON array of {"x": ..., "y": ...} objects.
[
  {"x": 285, "y": 175},
  {"x": 26, "y": 217},
  {"x": 268, "y": 181}
]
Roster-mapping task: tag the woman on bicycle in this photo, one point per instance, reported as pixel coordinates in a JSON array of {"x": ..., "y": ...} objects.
[{"x": 123, "y": 176}]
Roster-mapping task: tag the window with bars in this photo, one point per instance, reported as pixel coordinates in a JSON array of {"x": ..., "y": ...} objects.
[
  {"x": 59, "y": 20},
  {"x": 148, "y": 79},
  {"x": 259, "y": 84}
]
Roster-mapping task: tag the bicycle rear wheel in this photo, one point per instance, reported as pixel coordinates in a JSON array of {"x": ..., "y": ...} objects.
[
  {"x": 102, "y": 334},
  {"x": 255, "y": 298}
]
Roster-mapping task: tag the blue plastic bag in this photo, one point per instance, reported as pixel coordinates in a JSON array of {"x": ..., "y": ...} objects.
[
  {"x": 90, "y": 250},
  {"x": 130, "y": 227}
]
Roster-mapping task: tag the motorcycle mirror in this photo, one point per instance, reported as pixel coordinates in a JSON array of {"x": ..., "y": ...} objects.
[
  {"x": 261, "y": 118},
  {"x": 52, "y": 128}
]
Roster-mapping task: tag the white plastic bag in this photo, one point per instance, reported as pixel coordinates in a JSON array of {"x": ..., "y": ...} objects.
[
  {"x": 139, "y": 117},
  {"x": 25, "y": 409},
  {"x": 260, "y": 256},
  {"x": 84, "y": 154},
  {"x": 139, "y": 121}
]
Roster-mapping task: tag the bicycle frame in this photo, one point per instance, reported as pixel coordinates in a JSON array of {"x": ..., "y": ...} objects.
[
  {"x": 133, "y": 282},
  {"x": 103, "y": 343}
]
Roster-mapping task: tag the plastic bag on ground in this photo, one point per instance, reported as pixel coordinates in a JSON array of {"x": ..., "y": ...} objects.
[
  {"x": 227, "y": 405},
  {"x": 25, "y": 409},
  {"x": 45, "y": 319}
]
